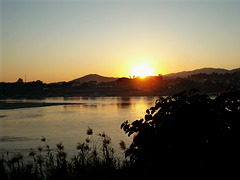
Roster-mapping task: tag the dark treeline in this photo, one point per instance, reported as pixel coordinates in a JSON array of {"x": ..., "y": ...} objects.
[
  {"x": 152, "y": 85},
  {"x": 187, "y": 135}
]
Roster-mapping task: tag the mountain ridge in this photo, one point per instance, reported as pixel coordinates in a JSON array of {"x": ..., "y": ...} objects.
[
  {"x": 182, "y": 74},
  {"x": 93, "y": 77},
  {"x": 206, "y": 70}
]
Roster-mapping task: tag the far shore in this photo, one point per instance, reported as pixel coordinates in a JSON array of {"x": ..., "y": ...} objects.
[
  {"x": 4, "y": 105},
  {"x": 17, "y": 105}
]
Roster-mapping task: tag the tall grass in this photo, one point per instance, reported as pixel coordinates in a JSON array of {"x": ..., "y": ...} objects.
[{"x": 94, "y": 159}]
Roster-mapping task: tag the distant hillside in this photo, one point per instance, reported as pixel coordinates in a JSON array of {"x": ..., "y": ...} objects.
[
  {"x": 93, "y": 77},
  {"x": 202, "y": 70}
]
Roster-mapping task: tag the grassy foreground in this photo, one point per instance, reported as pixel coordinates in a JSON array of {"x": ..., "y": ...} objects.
[{"x": 95, "y": 159}]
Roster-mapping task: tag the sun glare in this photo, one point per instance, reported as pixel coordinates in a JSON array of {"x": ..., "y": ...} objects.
[{"x": 142, "y": 70}]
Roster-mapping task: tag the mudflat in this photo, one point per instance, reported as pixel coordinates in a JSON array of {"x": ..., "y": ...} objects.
[{"x": 17, "y": 105}]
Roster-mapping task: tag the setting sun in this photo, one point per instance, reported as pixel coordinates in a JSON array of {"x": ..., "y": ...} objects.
[{"x": 142, "y": 70}]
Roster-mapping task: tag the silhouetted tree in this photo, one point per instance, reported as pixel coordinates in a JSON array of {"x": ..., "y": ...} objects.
[{"x": 187, "y": 133}]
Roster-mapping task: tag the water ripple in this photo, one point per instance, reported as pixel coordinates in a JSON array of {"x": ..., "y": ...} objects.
[{"x": 13, "y": 138}]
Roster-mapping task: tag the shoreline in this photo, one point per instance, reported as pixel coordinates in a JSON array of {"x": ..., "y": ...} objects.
[{"x": 19, "y": 105}]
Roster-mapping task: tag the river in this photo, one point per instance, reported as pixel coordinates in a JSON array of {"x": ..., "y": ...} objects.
[{"x": 22, "y": 129}]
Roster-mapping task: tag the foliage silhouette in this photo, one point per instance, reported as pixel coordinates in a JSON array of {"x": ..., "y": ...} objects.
[{"x": 187, "y": 133}]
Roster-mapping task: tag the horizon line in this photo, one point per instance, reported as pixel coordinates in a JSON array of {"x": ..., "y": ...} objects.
[{"x": 126, "y": 76}]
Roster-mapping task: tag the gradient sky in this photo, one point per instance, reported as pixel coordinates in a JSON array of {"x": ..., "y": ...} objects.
[{"x": 60, "y": 40}]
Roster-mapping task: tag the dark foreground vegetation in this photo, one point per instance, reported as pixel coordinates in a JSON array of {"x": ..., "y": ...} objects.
[{"x": 186, "y": 135}]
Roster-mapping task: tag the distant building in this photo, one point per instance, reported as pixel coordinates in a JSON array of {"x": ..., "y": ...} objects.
[{"x": 20, "y": 81}]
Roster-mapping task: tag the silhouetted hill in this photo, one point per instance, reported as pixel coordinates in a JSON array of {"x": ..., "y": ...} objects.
[
  {"x": 207, "y": 80},
  {"x": 93, "y": 77},
  {"x": 198, "y": 71},
  {"x": 234, "y": 70}
]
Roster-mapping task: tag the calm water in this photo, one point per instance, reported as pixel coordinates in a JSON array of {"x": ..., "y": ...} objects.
[{"x": 22, "y": 129}]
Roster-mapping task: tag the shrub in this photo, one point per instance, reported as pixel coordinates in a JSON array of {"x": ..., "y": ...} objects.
[{"x": 187, "y": 133}]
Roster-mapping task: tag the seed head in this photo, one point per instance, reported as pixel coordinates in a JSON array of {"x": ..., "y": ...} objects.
[
  {"x": 62, "y": 155},
  {"x": 60, "y": 146},
  {"x": 89, "y": 131},
  {"x": 43, "y": 139},
  {"x": 107, "y": 140},
  {"x": 87, "y": 140},
  {"x": 40, "y": 149},
  {"x": 86, "y": 147},
  {"x": 103, "y": 134},
  {"x": 32, "y": 153},
  {"x": 122, "y": 145},
  {"x": 79, "y": 146}
]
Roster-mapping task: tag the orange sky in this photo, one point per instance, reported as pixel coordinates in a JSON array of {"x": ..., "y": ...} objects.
[{"x": 62, "y": 40}]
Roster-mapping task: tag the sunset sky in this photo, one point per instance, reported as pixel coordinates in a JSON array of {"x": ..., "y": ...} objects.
[{"x": 60, "y": 40}]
